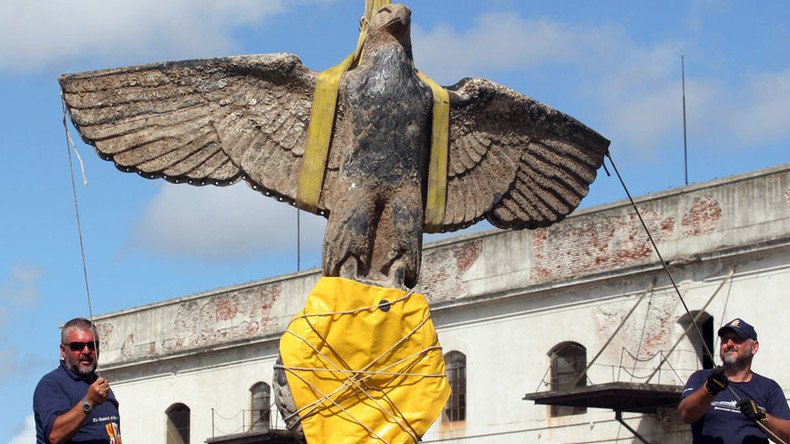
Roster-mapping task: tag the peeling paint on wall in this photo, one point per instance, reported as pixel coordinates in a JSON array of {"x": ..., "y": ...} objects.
[
  {"x": 596, "y": 243},
  {"x": 702, "y": 218},
  {"x": 202, "y": 322},
  {"x": 444, "y": 276},
  {"x": 582, "y": 246}
]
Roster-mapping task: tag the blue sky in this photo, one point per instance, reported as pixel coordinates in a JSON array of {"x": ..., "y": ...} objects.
[{"x": 614, "y": 65}]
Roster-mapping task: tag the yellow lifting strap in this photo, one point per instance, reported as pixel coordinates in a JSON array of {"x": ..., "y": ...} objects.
[
  {"x": 319, "y": 134},
  {"x": 319, "y": 130},
  {"x": 437, "y": 168}
]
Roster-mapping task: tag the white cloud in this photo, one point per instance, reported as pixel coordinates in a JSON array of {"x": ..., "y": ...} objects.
[
  {"x": 232, "y": 223},
  {"x": 762, "y": 114},
  {"x": 508, "y": 42},
  {"x": 19, "y": 291},
  {"x": 20, "y": 288},
  {"x": 36, "y": 33},
  {"x": 26, "y": 432},
  {"x": 632, "y": 89},
  {"x": 12, "y": 361}
]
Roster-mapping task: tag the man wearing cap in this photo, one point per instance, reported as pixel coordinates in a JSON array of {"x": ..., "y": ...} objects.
[
  {"x": 724, "y": 404},
  {"x": 72, "y": 404}
]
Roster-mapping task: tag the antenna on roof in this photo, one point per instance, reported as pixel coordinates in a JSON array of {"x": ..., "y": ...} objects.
[{"x": 685, "y": 145}]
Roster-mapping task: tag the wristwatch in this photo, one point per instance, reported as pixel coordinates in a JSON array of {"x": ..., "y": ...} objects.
[{"x": 86, "y": 406}]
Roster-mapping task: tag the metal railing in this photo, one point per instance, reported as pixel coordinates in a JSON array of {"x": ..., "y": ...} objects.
[
  {"x": 632, "y": 368},
  {"x": 246, "y": 420}
]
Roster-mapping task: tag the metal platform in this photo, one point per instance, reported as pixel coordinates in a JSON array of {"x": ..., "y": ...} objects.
[
  {"x": 271, "y": 436},
  {"x": 617, "y": 396}
]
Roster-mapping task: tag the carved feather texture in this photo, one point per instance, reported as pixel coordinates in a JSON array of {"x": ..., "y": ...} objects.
[
  {"x": 514, "y": 161},
  {"x": 201, "y": 121},
  {"x": 511, "y": 160}
]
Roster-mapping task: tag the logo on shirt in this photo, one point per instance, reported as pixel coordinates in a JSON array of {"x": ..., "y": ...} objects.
[
  {"x": 113, "y": 432},
  {"x": 728, "y": 406}
]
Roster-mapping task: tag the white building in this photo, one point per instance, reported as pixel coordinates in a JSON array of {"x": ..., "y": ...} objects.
[{"x": 510, "y": 308}]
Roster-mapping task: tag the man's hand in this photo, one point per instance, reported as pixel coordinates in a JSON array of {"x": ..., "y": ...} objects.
[
  {"x": 749, "y": 408},
  {"x": 69, "y": 423},
  {"x": 98, "y": 391},
  {"x": 717, "y": 381}
]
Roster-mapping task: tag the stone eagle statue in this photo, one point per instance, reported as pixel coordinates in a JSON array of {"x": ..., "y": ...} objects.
[{"x": 511, "y": 160}]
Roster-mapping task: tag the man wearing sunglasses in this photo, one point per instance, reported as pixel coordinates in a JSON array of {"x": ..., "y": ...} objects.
[
  {"x": 725, "y": 404},
  {"x": 72, "y": 404}
]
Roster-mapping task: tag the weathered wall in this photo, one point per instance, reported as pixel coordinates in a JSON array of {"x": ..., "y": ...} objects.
[
  {"x": 685, "y": 223},
  {"x": 504, "y": 299}
]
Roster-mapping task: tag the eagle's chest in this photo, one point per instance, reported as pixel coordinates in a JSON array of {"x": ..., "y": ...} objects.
[{"x": 390, "y": 119}]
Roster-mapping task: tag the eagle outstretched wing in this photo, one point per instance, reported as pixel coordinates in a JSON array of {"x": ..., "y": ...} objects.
[
  {"x": 511, "y": 160},
  {"x": 514, "y": 161},
  {"x": 211, "y": 121}
]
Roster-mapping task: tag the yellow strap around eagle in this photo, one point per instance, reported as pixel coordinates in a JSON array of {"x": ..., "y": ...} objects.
[
  {"x": 319, "y": 133},
  {"x": 437, "y": 168}
]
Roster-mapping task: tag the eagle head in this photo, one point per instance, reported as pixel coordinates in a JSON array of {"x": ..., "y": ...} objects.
[{"x": 395, "y": 20}]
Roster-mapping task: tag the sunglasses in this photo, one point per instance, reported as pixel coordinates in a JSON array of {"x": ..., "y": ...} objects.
[{"x": 79, "y": 346}]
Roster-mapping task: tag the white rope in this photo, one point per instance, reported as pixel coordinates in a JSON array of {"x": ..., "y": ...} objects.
[
  {"x": 70, "y": 144},
  {"x": 369, "y": 374},
  {"x": 352, "y": 380},
  {"x": 76, "y": 152},
  {"x": 354, "y": 311},
  {"x": 355, "y": 378},
  {"x": 369, "y": 430}
]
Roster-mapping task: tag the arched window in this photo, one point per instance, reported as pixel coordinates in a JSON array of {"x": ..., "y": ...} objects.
[
  {"x": 705, "y": 324},
  {"x": 177, "y": 424},
  {"x": 455, "y": 409},
  {"x": 568, "y": 361},
  {"x": 260, "y": 406}
]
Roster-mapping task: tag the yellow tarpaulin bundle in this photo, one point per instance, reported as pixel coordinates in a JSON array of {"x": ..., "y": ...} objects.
[{"x": 364, "y": 364}]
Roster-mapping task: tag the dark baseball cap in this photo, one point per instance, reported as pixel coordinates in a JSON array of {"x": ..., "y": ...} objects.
[{"x": 740, "y": 327}]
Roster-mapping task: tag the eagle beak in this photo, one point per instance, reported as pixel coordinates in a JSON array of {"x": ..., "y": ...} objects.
[{"x": 395, "y": 17}]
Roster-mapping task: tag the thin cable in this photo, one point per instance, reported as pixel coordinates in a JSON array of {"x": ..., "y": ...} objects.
[
  {"x": 685, "y": 142},
  {"x": 660, "y": 258},
  {"x": 680, "y": 296},
  {"x": 69, "y": 145}
]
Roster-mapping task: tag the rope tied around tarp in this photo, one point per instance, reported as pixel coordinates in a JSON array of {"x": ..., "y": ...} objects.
[
  {"x": 338, "y": 385},
  {"x": 356, "y": 378}
]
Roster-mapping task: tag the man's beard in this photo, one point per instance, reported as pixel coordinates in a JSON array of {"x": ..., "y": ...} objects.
[
  {"x": 732, "y": 358},
  {"x": 82, "y": 369}
]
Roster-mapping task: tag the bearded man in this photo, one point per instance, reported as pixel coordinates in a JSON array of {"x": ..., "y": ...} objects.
[
  {"x": 71, "y": 403},
  {"x": 724, "y": 405}
]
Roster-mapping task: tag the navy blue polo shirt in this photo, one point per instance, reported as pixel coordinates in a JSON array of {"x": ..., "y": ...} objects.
[
  {"x": 724, "y": 423},
  {"x": 59, "y": 391}
]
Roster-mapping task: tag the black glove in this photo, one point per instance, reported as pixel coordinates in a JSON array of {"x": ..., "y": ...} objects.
[
  {"x": 750, "y": 409},
  {"x": 717, "y": 381}
]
